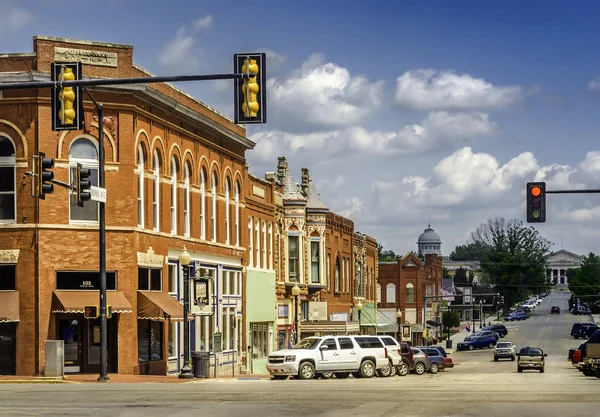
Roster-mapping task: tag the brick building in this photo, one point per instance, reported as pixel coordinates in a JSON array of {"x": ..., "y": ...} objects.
[
  {"x": 403, "y": 284},
  {"x": 176, "y": 176}
]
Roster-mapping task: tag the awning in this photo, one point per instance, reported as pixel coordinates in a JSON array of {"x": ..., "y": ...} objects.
[
  {"x": 75, "y": 301},
  {"x": 159, "y": 306},
  {"x": 325, "y": 326},
  {"x": 9, "y": 307}
]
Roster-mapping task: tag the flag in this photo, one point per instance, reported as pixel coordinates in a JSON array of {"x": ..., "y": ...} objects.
[
  {"x": 446, "y": 295},
  {"x": 468, "y": 326}
]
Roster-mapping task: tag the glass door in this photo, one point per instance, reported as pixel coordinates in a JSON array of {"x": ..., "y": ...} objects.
[{"x": 69, "y": 330}]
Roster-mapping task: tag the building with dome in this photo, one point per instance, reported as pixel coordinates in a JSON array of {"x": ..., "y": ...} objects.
[{"x": 429, "y": 242}]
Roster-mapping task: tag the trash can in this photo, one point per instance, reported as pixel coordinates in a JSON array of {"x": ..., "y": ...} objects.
[
  {"x": 449, "y": 344},
  {"x": 201, "y": 364}
]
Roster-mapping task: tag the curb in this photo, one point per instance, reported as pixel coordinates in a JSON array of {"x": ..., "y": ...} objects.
[{"x": 63, "y": 381}]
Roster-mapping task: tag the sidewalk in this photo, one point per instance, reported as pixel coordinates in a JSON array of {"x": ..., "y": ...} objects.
[{"x": 120, "y": 379}]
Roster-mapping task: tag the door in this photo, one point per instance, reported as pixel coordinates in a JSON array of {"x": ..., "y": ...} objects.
[
  {"x": 8, "y": 348},
  {"x": 69, "y": 331},
  {"x": 329, "y": 359},
  {"x": 348, "y": 354}
]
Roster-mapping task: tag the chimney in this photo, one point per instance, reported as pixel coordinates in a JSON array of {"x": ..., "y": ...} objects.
[
  {"x": 305, "y": 180},
  {"x": 270, "y": 176},
  {"x": 281, "y": 167}
]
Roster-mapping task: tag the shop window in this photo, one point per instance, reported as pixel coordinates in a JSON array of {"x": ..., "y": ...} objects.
[
  {"x": 8, "y": 277},
  {"x": 172, "y": 341},
  {"x": 149, "y": 279},
  {"x": 150, "y": 336},
  {"x": 260, "y": 340}
]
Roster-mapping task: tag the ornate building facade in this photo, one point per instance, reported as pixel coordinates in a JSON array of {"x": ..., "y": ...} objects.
[{"x": 429, "y": 242}]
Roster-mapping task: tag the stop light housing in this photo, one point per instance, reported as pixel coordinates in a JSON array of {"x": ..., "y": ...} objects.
[
  {"x": 250, "y": 95},
  {"x": 90, "y": 312},
  {"x": 67, "y": 102},
  {"x": 82, "y": 183},
  {"x": 536, "y": 202},
  {"x": 44, "y": 175},
  {"x": 108, "y": 312}
]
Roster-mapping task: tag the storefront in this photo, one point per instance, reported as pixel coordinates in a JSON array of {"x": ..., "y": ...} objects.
[
  {"x": 9, "y": 319},
  {"x": 261, "y": 314}
]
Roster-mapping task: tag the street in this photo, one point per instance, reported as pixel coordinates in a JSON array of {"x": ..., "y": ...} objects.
[{"x": 476, "y": 386}]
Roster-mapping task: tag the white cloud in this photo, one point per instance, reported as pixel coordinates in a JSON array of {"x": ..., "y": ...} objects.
[
  {"x": 591, "y": 163},
  {"x": 205, "y": 22},
  {"x": 322, "y": 95},
  {"x": 181, "y": 54},
  {"x": 275, "y": 60},
  {"x": 437, "y": 130},
  {"x": 428, "y": 89},
  {"x": 351, "y": 207},
  {"x": 13, "y": 17}
]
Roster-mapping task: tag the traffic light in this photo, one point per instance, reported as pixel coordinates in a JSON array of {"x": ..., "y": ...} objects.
[
  {"x": 536, "y": 202},
  {"x": 44, "y": 176},
  {"x": 82, "y": 182},
  {"x": 250, "y": 95},
  {"x": 67, "y": 102},
  {"x": 108, "y": 312},
  {"x": 90, "y": 312}
]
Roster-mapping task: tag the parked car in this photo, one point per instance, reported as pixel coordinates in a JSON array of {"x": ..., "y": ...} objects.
[
  {"x": 576, "y": 328},
  {"x": 421, "y": 361},
  {"x": 516, "y": 316},
  {"x": 436, "y": 359},
  {"x": 487, "y": 333},
  {"x": 504, "y": 349},
  {"x": 477, "y": 342},
  {"x": 531, "y": 358},
  {"x": 393, "y": 352},
  {"x": 555, "y": 310},
  {"x": 498, "y": 328}
]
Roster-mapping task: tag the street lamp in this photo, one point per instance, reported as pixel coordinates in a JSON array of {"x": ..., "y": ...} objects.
[
  {"x": 480, "y": 314},
  {"x": 359, "y": 308},
  {"x": 399, "y": 324},
  {"x": 184, "y": 261},
  {"x": 296, "y": 293}
]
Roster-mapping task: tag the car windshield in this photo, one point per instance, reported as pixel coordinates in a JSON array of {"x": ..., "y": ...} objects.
[
  {"x": 504, "y": 345},
  {"x": 307, "y": 344}
]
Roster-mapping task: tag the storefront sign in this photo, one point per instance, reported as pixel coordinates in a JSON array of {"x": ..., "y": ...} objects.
[
  {"x": 84, "y": 280},
  {"x": 85, "y": 56}
]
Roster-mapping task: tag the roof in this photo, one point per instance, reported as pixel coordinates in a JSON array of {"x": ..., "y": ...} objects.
[
  {"x": 314, "y": 198},
  {"x": 429, "y": 236},
  {"x": 291, "y": 189}
]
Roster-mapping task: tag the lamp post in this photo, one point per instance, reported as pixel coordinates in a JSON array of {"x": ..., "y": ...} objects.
[
  {"x": 480, "y": 314},
  {"x": 399, "y": 324},
  {"x": 184, "y": 261},
  {"x": 498, "y": 307},
  {"x": 296, "y": 293},
  {"x": 359, "y": 308}
]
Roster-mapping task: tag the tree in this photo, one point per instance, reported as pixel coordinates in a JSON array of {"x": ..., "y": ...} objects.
[
  {"x": 585, "y": 280},
  {"x": 515, "y": 258},
  {"x": 460, "y": 277},
  {"x": 386, "y": 255},
  {"x": 451, "y": 319},
  {"x": 445, "y": 273},
  {"x": 474, "y": 251}
]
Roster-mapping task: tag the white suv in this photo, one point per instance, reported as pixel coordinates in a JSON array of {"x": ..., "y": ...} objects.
[{"x": 327, "y": 355}]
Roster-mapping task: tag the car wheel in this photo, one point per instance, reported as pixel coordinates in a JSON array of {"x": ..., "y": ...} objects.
[
  {"x": 512, "y": 358},
  {"x": 326, "y": 375},
  {"x": 420, "y": 368},
  {"x": 403, "y": 369},
  {"x": 542, "y": 371},
  {"x": 442, "y": 367},
  {"x": 519, "y": 370},
  {"x": 393, "y": 370},
  {"x": 280, "y": 377},
  {"x": 470, "y": 347},
  {"x": 367, "y": 369},
  {"x": 342, "y": 375},
  {"x": 433, "y": 369},
  {"x": 385, "y": 371},
  {"x": 495, "y": 358},
  {"x": 306, "y": 371}
]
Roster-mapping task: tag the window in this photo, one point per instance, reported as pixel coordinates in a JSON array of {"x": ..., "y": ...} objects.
[
  {"x": 150, "y": 334},
  {"x": 85, "y": 152},
  {"x": 328, "y": 272},
  {"x": 229, "y": 340},
  {"x": 172, "y": 278},
  {"x": 213, "y": 217},
  {"x": 257, "y": 242},
  {"x": 202, "y": 205},
  {"x": 390, "y": 293},
  {"x": 149, "y": 279},
  {"x": 315, "y": 276},
  {"x": 270, "y": 245},
  {"x": 8, "y": 277},
  {"x": 250, "y": 242},
  {"x": 8, "y": 165},
  {"x": 346, "y": 343},
  {"x": 156, "y": 190},
  {"x": 186, "y": 201},
  {"x": 173, "y": 196},
  {"x": 410, "y": 293},
  {"x": 337, "y": 274},
  {"x": 259, "y": 334},
  {"x": 227, "y": 224},
  {"x": 237, "y": 213},
  {"x": 293, "y": 253},
  {"x": 140, "y": 174},
  {"x": 330, "y": 343},
  {"x": 378, "y": 299},
  {"x": 173, "y": 341}
]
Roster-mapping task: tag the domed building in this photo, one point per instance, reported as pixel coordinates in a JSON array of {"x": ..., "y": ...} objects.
[{"x": 429, "y": 242}]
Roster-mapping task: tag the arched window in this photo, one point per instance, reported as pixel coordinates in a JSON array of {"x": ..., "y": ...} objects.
[
  {"x": 186, "y": 201},
  {"x": 410, "y": 293},
  {"x": 140, "y": 195},
  {"x": 85, "y": 152},
  {"x": 8, "y": 166},
  {"x": 390, "y": 293},
  {"x": 173, "y": 196},
  {"x": 378, "y": 299},
  {"x": 227, "y": 224},
  {"x": 156, "y": 190},
  {"x": 237, "y": 213},
  {"x": 213, "y": 190},
  {"x": 337, "y": 274},
  {"x": 202, "y": 204}
]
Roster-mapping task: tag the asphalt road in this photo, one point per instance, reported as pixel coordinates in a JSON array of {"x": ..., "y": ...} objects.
[{"x": 476, "y": 386}]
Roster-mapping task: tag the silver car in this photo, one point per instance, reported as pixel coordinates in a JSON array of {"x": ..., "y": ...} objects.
[
  {"x": 421, "y": 361},
  {"x": 504, "y": 349}
]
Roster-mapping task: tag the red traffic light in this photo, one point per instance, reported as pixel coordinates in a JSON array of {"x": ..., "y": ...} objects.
[{"x": 536, "y": 191}]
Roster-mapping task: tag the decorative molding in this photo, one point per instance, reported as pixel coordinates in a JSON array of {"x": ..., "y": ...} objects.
[
  {"x": 9, "y": 256},
  {"x": 149, "y": 259},
  {"x": 85, "y": 56},
  {"x": 295, "y": 210},
  {"x": 109, "y": 124},
  {"x": 295, "y": 221}
]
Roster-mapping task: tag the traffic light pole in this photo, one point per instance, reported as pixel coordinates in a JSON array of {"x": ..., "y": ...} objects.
[{"x": 102, "y": 255}]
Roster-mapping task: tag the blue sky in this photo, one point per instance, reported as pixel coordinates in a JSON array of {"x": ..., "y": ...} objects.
[{"x": 404, "y": 111}]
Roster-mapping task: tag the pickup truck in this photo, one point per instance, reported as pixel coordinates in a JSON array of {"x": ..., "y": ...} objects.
[
  {"x": 590, "y": 365},
  {"x": 531, "y": 358}
]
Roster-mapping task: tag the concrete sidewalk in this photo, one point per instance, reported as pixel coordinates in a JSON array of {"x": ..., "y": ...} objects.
[{"x": 120, "y": 378}]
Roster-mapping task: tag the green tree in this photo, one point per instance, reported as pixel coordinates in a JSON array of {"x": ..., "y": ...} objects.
[
  {"x": 451, "y": 319},
  {"x": 585, "y": 280},
  {"x": 460, "y": 277},
  {"x": 445, "y": 273},
  {"x": 515, "y": 258},
  {"x": 474, "y": 251},
  {"x": 386, "y": 255}
]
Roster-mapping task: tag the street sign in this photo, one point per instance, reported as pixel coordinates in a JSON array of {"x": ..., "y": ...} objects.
[{"x": 98, "y": 194}]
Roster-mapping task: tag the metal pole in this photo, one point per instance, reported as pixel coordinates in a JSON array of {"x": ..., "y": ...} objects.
[
  {"x": 359, "y": 325},
  {"x": 424, "y": 316},
  {"x": 186, "y": 371},
  {"x": 296, "y": 319}
]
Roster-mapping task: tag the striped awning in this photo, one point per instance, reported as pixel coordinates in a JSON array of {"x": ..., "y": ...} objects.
[
  {"x": 75, "y": 301},
  {"x": 9, "y": 307}
]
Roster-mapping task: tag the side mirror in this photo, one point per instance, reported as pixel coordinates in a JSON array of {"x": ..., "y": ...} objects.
[
  {"x": 545, "y": 354},
  {"x": 323, "y": 347}
]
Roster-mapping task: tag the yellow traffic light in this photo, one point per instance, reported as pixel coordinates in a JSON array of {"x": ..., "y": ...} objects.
[
  {"x": 250, "y": 89},
  {"x": 67, "y": 98},
  {"x": 67, "y": 101}
]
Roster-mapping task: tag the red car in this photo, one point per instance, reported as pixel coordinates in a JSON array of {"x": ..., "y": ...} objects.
[
  {"x": 447, "y": 362},
  {"x": 555, "y": 309}
]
